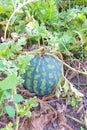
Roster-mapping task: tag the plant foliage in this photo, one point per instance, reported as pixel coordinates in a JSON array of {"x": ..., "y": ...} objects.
[{"x": 59, "y": 24}]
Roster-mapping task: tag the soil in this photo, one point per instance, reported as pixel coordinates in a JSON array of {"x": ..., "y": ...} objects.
[{"x": 53, "y": 125}]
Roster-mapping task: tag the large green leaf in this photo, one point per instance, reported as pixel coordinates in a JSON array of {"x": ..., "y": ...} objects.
[
  {"x": 10, "y": 111},
  {"x": 17, "y": 98},
  {"x": 8, "y": 83}
]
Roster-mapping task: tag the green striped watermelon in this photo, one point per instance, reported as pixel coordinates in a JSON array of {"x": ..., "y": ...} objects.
[{"x": 43, "y": 74}]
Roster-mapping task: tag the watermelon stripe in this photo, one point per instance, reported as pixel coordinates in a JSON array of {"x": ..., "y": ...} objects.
[{"x": 33, "y": 74}]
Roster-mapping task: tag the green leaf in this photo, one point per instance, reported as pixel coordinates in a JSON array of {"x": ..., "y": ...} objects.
[
  {"x": 1, "y": 94},
  {"x": 23, "y": 62},
  {"x": 28, "y": 113},
  {"x": 1, "y": 9},
  {"x": 81, "y": 128},
  {"x": 17, "y": 98},
  {"x": 32, "y": 102},
  {"x": 10, "y": 111},
  {"x": 1, "y": 65},
  {"x": 22, "y": 41},
  {"x": 8, "y": 83},
  {"x": 8, "y": 93},
  {"x": 11, "y": 48}
]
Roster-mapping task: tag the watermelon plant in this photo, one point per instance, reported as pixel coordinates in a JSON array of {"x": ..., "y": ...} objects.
[{"x": 61, "y": 27}]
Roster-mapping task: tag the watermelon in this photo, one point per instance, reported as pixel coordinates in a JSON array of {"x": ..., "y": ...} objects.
[{"x": 43, "y": 74}]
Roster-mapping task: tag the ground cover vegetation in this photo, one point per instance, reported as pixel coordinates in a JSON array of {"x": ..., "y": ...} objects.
[{"x": 29, "y": 27}]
